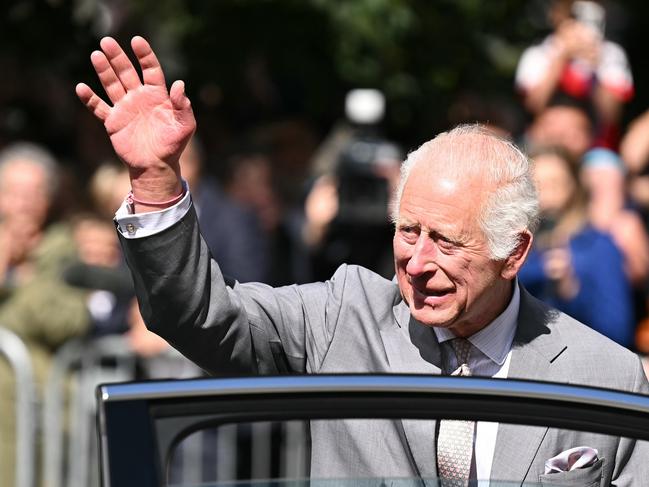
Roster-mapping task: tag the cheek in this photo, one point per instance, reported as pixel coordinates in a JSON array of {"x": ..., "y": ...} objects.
[
  {"x": 402, "y": 251},
  {"x": 466, "y": 272},
  {"x": 481, "y": 275}
]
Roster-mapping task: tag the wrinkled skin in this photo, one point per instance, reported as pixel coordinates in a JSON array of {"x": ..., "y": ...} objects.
[
  {"x": 149, "y": 126},
  {"x": 444, "y": 267}
]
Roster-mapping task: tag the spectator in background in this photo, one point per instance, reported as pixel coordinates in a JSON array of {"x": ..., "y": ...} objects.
[
  {"x": 249, "y": 181},
  {"x": 231, "y": 231},
  {"x": 565, "y": 126},
  {"x": 108, "y": 185},
  {"x": 634, "y": 150},
  {"x": 100, "y": 267},
  {"x": 572, "y": 265},
  {"x": 568, "y": 127},
  {"x": 604, "y": 177},
  {"x": 101, "y": 270},
  {"x": 347, "y": 208},
  {"x": 577, "y": 62},
  {"x": 35, "y": 302},
  {"x": 332, "y": 240}
]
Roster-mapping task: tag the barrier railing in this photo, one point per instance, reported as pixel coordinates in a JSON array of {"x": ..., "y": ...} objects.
[
  {"x": 70, "y": 457},
  {"x": 16, "y": 354}
]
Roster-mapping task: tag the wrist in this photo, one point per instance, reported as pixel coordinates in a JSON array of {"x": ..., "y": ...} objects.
[
  {"x": 155, "y": 192},
  {"x": 157, "y": 204}
]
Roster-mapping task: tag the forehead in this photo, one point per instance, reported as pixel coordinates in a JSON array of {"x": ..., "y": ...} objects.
[
  {"x": 558, "y": 118},
  {"x": 442, "y": 199},
  {"x": 22, "y": 171},
  {"x": 550, "y": 164}
]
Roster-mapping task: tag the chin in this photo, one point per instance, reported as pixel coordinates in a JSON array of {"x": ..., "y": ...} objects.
[{"x": 432, "y": 317}]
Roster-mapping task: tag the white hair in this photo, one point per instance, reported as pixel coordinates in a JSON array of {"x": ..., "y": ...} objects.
[
  {"x": 33, "y": 154},
  {"x": 473, "y": 150}
]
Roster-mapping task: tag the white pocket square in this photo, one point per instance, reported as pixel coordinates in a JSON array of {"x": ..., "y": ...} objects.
[{"x": 572, "y": 459}]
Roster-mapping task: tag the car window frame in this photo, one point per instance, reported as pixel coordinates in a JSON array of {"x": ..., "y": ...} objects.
[{"x": 139, "y": 423}]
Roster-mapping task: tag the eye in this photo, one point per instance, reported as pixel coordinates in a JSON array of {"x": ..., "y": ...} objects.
[
  {"x": 444, "y": 243},
  {"x": 410, "y": 233}
]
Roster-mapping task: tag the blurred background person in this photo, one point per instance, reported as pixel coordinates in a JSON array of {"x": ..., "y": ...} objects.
[
  {"x": 574, "y": 266},
  {"x": 634, "y": 150},
  {"x": 563, "y": 125},
  {"x": 100, "y": 269},
  {"x": 35, "y": 301},
  {"x": 250, "y": 180},
  {"x": 577, "y": 62},
  {"x": 610, "y": 210},
  {"x": 108, "y": 186},
  {"x": 231, "y": 230},
  {"x": 346, "y": 210}
]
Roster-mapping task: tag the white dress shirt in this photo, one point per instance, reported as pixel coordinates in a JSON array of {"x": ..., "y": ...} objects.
[{"x": 137, "y": 225}]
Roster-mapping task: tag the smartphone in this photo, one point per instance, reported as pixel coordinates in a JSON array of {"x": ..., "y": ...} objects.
[{"x": 591, "y": 14}]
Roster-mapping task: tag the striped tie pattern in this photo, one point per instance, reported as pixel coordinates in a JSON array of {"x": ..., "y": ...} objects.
[{"x": 455, "y": 439}]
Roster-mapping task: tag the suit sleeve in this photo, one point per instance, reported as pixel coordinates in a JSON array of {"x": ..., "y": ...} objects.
[{"x": 227, "y": 327}]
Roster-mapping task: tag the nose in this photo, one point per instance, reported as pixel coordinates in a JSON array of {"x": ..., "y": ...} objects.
[{"x": 423, "y": 257}]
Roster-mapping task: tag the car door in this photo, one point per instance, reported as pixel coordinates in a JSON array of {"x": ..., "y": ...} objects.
[{"x": 257, "y": 430}]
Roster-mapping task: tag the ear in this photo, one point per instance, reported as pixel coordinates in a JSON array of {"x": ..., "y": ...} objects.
[{"x": 516, "y": 259}]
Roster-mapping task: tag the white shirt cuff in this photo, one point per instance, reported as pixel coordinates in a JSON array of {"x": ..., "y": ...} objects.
[{"x": 139, "y": 225}]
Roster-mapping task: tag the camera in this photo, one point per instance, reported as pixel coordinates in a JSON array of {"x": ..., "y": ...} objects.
[{"x": 363, "y": 188}]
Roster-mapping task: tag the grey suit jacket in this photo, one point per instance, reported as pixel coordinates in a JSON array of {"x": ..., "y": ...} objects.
[{"x": 358, "y": 322}]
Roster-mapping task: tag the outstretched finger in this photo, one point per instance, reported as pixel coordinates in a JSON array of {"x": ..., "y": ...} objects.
[
  {"x": 121, "y": 64},
  {"x": 181, "y": 105},
  {"x": 98, "y": 107},
  {"x": 151, "y": 70},
  {"x": 107, "y": 76}
]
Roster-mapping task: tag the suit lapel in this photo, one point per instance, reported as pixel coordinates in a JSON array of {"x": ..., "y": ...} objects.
[
  {"x": 412, "y": 348},
  {"x": 534, "y": 349}
]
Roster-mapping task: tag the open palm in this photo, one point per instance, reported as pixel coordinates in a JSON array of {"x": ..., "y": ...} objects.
[{"x": 148, "y": 125}]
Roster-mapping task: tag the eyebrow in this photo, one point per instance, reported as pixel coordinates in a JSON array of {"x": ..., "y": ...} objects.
[
  {"x": 435, "y": 234},
  {"x": 403, "y": 222}
]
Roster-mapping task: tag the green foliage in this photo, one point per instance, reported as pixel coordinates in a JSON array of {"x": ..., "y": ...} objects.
[{"x": 248, "y": 62}]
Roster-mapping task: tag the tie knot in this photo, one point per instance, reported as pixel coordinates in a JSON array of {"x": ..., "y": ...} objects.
[{"x": 462, "y": 348}]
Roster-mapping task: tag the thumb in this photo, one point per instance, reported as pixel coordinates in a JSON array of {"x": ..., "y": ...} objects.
[{"x": 181, "y": 104}]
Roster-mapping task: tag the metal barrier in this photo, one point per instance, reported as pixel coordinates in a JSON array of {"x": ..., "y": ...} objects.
[
  {"x": 17, "y": 355},
  {"x": 70, "y": 453},
  {"x": 77, "y": 369},
  {"x": 240, "y": 452}
]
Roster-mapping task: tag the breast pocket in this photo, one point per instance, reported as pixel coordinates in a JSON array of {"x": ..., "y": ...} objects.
[{"x": 582, "y": 477}]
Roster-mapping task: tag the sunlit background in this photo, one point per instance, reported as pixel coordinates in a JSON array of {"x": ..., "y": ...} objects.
[{"x": 279, "y": 69}]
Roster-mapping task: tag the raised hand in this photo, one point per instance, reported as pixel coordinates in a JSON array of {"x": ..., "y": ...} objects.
[{"x": 148, "y": 126}]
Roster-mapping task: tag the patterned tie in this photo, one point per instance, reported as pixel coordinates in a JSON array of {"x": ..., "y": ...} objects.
[{"x": 455, "y": 439}]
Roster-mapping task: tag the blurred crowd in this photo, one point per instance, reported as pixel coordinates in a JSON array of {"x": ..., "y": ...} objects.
[{"x": 62, "y": 274}]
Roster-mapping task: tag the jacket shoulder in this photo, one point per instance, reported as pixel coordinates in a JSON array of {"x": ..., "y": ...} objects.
[{"x": 583, "y": 355}]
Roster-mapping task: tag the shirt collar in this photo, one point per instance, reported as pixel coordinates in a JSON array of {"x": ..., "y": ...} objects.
[{"x": 495, "y": 339}]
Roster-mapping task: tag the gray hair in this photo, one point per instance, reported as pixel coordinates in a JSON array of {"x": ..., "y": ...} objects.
[
  {"x": 475, "y": 150},
  {"x": 33, "y": 154}
]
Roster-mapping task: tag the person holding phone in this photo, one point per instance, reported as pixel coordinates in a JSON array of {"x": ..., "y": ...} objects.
[
  {"x": 577, "y": 64},
  {"x": 574, "y": 266}
]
